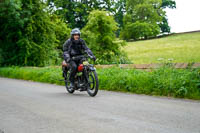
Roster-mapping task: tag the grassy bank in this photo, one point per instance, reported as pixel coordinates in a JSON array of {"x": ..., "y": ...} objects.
[
  {"x": 179, "y": 48},
  {"x": 183, "y": 83}
]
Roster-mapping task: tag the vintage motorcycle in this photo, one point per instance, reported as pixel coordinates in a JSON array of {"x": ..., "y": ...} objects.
[{"x": 86, "y": 78}]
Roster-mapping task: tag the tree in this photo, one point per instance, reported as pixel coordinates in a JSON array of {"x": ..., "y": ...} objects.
[
  {"x": 76, "y": 12},
  {"x": 142, "y": 19},
  {"x": 118, "y": 11},
  {"x": 168, "y": 4},
  {"x": 140, "y": 30},
  {"x": 28, "y": 34},
  {"x": 99, "y": 34},
  {"x": 164, "y": 24},
  {"x": 11, "y": 25},
  {"x": 62, "y": 32}
]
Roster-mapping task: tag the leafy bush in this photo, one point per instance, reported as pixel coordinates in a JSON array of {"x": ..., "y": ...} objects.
[
  {"x": 99, "y": 34},
  {"x": 140, "y": 30},
  {"x": 166, "y": 81},
  {"x": 29, "y": 34}
]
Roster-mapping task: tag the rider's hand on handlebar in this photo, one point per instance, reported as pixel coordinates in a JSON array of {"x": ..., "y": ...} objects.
[
  {"x": 92, "y": 57},
  {"x": 68, "y": 60}
]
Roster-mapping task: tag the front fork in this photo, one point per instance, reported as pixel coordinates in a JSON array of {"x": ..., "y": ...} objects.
[
  {"x": 86, "y": 76},
  {"x": 86, "y": 73}
]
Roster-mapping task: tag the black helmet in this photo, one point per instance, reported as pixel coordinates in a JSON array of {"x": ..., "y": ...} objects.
[{"x": 75, "y": 31}]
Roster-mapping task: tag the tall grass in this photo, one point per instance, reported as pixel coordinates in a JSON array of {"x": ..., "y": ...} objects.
[
  {"x": 166, "y": 81},
  {"x": 39, "y": 74}
]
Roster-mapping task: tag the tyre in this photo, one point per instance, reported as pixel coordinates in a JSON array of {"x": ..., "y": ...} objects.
[
  {"x": 93, "y": 84},
  {"x": 67, "y": 83}
]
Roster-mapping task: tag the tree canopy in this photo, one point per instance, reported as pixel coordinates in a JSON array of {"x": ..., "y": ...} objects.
[
  {"x": 99, "y": 34},
  {"x": 164, "y": 24},
  {"x": 29, "y": 35},
  {"x": 145, "y": 18},
  {"x": 142, "y": 18},
  {"x": 33, "y": 31},
  {"x": 76, "y": 12}
]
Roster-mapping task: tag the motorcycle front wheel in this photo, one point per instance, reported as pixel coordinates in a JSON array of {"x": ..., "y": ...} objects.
[{"x": 93, "y": 84}]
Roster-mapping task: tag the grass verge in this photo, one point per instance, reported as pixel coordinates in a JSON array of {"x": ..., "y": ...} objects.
[{"x": 166, "y": 81}]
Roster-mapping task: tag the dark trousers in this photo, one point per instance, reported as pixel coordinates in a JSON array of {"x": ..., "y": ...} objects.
[{"x": 73, "y": 69}]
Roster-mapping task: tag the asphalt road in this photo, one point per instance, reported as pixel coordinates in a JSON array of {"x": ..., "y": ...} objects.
[{"x": 29, "y": 107}]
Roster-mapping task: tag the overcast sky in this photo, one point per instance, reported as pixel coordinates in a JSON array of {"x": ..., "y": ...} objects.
[{"x": 186, "y": 17}]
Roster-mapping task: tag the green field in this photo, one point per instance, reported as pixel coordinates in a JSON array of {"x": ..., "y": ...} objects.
[{"x": 177, "y": 48}]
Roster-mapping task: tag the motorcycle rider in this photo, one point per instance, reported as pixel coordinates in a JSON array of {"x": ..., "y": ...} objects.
[{"x": 75, "y": 46}]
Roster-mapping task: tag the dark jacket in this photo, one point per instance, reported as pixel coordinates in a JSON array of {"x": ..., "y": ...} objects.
[{"x": 73, "y": 48}]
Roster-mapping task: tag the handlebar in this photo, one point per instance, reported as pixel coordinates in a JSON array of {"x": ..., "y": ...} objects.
[{"x": 81, "y": 57}]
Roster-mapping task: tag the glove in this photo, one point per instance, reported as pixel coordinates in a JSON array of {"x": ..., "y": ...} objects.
[
  {"x": 66, "y": 57},
  {"x": 68, "y": 60}
]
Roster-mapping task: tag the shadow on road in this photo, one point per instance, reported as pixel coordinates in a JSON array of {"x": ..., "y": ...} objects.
[{"x": 65, "y": 94}]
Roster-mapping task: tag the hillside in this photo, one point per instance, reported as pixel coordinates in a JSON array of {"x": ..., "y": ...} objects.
[{"x": 175, "y": 48}]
